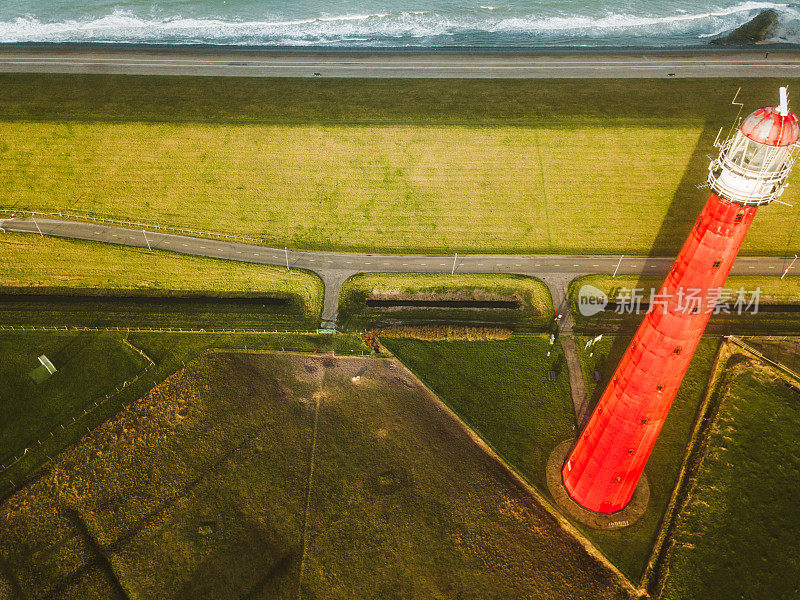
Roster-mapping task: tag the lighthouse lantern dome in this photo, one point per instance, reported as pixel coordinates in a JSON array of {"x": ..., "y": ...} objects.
[
  {"x": 754, "y": 163},
  {"x": 769, "y": 127}
]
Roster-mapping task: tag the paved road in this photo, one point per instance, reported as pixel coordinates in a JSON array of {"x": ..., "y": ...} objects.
[
  {"x": 335, "y": 267},
  {"x": 265, "y": 63}
]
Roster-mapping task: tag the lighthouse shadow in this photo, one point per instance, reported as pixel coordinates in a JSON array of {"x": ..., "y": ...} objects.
[
  {"x": 684, "y": 208},
  {"x": 689, "y": 197}
]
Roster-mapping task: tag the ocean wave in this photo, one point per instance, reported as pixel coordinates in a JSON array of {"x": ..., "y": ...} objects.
[{"x": 408, "y": 28}]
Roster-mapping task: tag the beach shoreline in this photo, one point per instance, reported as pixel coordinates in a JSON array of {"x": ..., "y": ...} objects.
[{"x": 343, "y": 50}]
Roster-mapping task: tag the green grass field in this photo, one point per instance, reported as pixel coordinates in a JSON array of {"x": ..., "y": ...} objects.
[
  {"x": 93, "y": 365},
  {"x": 535, "y": 312},
  {"x": 500, "y": 389},
  {"x": 737, "y": 536},
  {"x": 262, "y": 476},
  {"x": 32, "y": 261},
  {"x": 89, "y": 367},
  {"x": 395, "y": 166}
]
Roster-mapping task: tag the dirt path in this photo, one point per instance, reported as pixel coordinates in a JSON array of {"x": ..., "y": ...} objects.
[{"x": 576, "y": 382}]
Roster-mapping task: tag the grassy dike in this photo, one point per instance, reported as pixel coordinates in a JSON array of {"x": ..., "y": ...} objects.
[
  {"x": 534, "y": 312},
  {"x": 380, "y": 165},
  {"x": 773, "y": 291},
  {"x": 119, "y": 279}
]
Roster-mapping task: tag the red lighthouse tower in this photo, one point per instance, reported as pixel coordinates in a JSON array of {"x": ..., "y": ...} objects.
[{"x": 607, "y": 461}]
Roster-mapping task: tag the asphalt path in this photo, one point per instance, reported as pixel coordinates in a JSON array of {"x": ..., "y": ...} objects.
[
  {"x": 764, "y": 62},
  {"x": 334, "y": 267}
]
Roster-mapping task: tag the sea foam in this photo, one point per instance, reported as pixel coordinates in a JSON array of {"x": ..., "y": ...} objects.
[{"x": 487, "y": 26}]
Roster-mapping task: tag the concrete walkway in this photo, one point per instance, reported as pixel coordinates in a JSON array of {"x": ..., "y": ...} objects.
[
  {"x": 332, "y": 280},
  {"x": 558, "y": 284}
]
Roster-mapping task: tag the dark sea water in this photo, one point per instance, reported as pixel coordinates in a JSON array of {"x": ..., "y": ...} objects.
[{"x": 389, "y": 24}]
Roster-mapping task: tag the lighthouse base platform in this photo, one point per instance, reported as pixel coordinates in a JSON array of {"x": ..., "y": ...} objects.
[{"x": 616, "y": 520}]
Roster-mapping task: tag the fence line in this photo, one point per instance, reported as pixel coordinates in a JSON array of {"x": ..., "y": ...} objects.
[
  {"x": 136, "y": 225},
  {"x": 96, "y": 404},
  {"x": 151, "y": 329},
  {"x": 760, "y": 355},
  {"x": 4, "y": 467},
  {"x": 140, "y": 351}
]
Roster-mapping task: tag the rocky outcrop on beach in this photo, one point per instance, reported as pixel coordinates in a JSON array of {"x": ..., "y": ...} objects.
[{"x": 759, "y": 29}]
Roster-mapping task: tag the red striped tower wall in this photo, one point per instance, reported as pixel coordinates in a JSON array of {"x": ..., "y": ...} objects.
[{"x": 607, "y": 461}]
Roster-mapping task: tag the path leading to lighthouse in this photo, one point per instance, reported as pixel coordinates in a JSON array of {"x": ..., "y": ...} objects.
[
  {"x": 556, "y": 271},
  {"x": 577, "y": 384}
]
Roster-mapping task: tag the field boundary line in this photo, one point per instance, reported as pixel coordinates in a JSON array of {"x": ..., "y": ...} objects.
[
  {"x": 718, "y": 369},
  {"x": 537, "y": 496},
  {"x": 96, "y": 404},
  {"x": 141, "y": 352},
  {"x": 154, "y": 329},
  {"x": 760, "y": 355},
  {"x": 308, "y": 495},
  {"x": 132, "y": 224}
]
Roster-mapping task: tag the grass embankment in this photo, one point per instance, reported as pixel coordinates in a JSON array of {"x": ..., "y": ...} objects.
[
  {"x": 392, "y": 165},
  {"x": 773, "y": 291},
  {"x": 93, "y": 365},
  {"x": 534, "y": 312},
  {"x": 737, "y": 535},
  {"x": 65, "y": 268},
  {"x": 500, "y": 389},
  {"x": 206, "y": 487}
]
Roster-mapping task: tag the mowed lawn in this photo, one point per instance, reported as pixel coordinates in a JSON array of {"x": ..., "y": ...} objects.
[
  {"x": 586, "y": 166},
  {"x": 391, "y": 188},
  {"x": 500, "y": 389}
]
